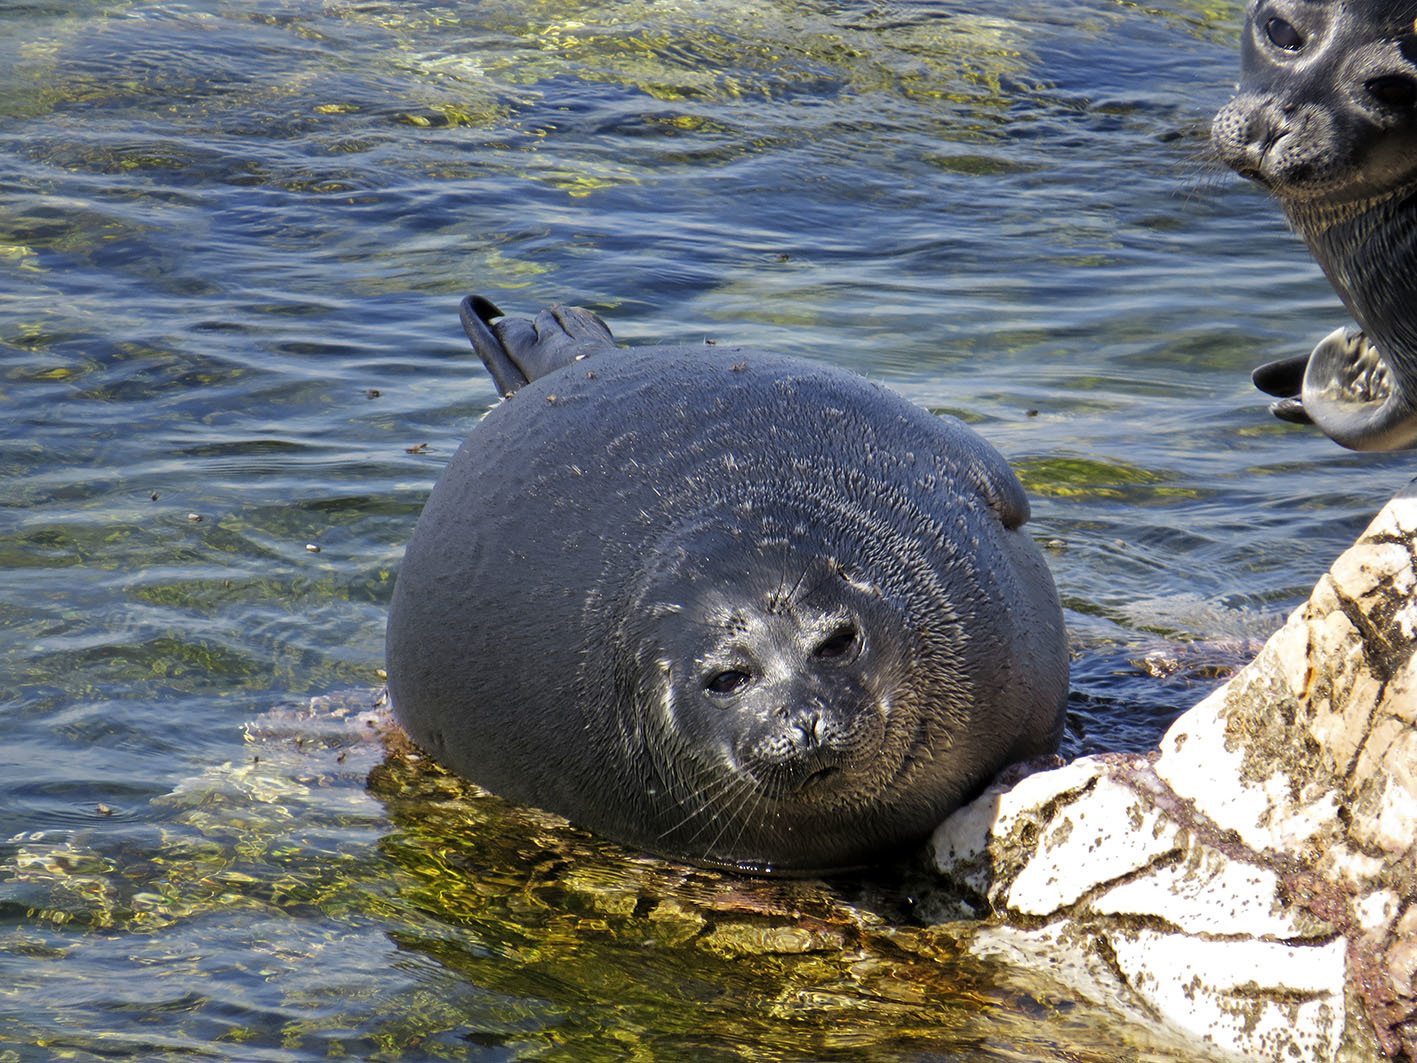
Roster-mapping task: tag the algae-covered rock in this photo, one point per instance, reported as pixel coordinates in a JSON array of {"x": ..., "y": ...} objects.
[{"x": 389, "y": 910}]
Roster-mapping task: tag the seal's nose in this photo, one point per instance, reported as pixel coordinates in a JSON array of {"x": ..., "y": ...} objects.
[{"x": 808, "y": 727}]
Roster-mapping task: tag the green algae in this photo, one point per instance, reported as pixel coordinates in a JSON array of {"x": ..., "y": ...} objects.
[{"x": 1074, "y": 477}]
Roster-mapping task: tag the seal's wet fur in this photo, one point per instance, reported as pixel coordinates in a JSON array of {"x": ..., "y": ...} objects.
[{"x": 724, "y": 605}]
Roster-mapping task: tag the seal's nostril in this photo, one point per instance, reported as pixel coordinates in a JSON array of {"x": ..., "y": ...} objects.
[
  {"x": 1394, "y": 90},
  {"x": 809, "y": 727}
]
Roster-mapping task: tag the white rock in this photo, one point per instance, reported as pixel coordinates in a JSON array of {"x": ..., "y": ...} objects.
[
  {"x": 1055, "y": 952},
  {"x": 1087, "y": 844},
  {"x": 1253, "y": 884},
  {"x": 963, "y": 844},
  {"x": 1265, "y": 999},
  {"x": 1209, "y": 893},
  {"x": 1209, "y": 767},
  {"x": 1393, "y": 827}
]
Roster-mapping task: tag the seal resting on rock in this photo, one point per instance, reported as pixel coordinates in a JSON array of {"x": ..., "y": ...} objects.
[
  {"x": 723, "y": 605},
  {"x": 1326, "y": 119}
]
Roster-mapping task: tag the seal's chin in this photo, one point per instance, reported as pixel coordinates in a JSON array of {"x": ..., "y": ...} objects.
[
  {"x": 1346, "y": 388},
  {"x": 817, "y": 777}
]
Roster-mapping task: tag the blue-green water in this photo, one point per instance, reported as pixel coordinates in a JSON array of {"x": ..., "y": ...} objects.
[{"x": 232, "y": 242}]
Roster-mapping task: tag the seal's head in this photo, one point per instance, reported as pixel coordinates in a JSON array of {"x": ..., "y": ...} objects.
[
  {"x": 805, "y": 698},
  {"x": 1326, "y": 119},
  {"x": 1327, "y": 107}
]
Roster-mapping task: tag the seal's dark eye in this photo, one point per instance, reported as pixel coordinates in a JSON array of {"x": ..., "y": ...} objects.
[
  {"x": 728, "y": 681},
  {"x": 1395, "y": 90},
  {"x": 840, "y": 643},
  {"x": 1283, "y": 35}
]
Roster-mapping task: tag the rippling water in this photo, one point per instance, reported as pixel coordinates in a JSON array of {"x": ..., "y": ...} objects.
[{"x": 232, "y": 241}]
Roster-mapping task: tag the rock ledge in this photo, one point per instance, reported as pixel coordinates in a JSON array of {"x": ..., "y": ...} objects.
[{"x": 1252, "y": 883}]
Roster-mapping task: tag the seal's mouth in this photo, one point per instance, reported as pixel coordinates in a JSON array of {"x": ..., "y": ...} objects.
[
  {"x": 822, "y": 777},
  {"x": 819, "y": 776}
]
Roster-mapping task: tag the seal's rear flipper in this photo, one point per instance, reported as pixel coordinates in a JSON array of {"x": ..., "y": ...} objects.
[
  {"x": 1291, "y": 410},
  {"x": 476, "y": 312},
  {"x": 517, "y": 351},
  {"x": 1346, "y": 388},
  {"x": 1355, "y": 397},
  {"x": 1283, "y": 379}
]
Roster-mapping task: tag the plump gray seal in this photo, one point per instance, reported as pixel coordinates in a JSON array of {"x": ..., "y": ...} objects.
[
  {"x": 723, "y": 605},
  {"x": 1326, "y": 118}
]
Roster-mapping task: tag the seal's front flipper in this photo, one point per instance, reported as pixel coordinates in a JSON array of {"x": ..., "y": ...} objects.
[{"x": 517, "y": 351}]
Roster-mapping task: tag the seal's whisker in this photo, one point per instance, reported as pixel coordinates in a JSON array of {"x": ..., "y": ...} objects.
[
  {"x": 780, "y": 594},
  {"x": 825, "y": 580},
  {"x": 748, "y": 816},
  {"x": 747, "y": 796},
  {"x": 705, "y": 787},
  {"x": 719, "y": 796},
  {"x": 792, "y": 596}
]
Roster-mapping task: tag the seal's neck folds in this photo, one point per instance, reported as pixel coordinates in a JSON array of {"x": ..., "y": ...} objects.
[{"x": 1366, "y": 250}]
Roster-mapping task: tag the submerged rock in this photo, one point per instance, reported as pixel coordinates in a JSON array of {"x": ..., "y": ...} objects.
[{"x": 1252, "y": 882}]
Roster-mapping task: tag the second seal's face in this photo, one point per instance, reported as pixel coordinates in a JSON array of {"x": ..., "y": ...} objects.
[{"x": 1327, "y": 106}]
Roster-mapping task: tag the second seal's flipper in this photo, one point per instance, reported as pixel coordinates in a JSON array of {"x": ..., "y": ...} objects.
[
  {"x": 517, "y": 351},
  {"x": 1284, "y": 380},
  {"x": 1291, "y": 410},
  {"x": 1353, "y": 395},
  {"x": 1346, "y": 388}
]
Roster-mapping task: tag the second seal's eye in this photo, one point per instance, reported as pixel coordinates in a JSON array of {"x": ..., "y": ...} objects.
[
  {"x": 1283, "y": 35},
  {"x": 840, "y": 644},
  {"x": 728, "y": 681},
  {"x": 1395, "y": 90}
]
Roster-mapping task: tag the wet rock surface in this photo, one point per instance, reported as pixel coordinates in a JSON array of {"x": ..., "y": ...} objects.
[{"x": 1252, "y": 882}]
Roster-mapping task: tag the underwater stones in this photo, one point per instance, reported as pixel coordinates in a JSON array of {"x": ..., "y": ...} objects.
[{"x": 1253, "y": 882}]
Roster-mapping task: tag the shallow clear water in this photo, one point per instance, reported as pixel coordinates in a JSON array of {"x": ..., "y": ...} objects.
[{"x": 232, "y": 242}]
